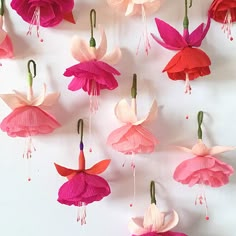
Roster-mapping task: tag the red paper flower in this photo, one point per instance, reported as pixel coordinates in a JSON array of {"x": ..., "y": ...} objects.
[
  {"x": 190, "y": 63},
  {"x": 45, "y": 13},
  {"x": 6, "y": 47},
  {"x": 83, "y": 186},
  {"x": 224, "y": 11}
]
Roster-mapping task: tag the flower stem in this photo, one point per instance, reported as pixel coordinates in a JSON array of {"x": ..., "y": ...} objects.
[
  {"x": 186, "y": 21},
  {"x": 2, "y": 8},
  {"x": 134, "y": 87},
  {"x": 30, "y": 75},
  {"x": 200, "y": 119},
  {"x": 152, "y": 192}
]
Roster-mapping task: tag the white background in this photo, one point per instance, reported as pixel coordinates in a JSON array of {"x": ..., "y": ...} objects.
[{"x": 31, "y": 208}]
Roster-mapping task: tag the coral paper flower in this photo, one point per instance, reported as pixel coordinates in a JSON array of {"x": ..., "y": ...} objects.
[
  {"x": 224, "y": 11},
  {"x": 27, "y": 118},
  {"x": 189, "y": 63},
  {"x": 154, "y": 222},
  {"x": 6, "y": 47},
  {"x": 204, "y": 168},
  {"x": 94, "y": 71},
  {"x": 133, "y": 138},
  {"x": 45, "y": 13},
  {"x": 84, "y": 186}
]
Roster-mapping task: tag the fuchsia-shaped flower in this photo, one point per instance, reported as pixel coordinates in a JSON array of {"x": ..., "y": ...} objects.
[
  {"x": 224, "y": 11},
  {"x": 6, "y": 47},
  {"x": 133, "y": 138},
  {"x": 45, "y": 13},
  {"x": 138, "y": 7},
  {"x": 204, "y": 168},
  {"x": 93, "y": 73},
  {"x": 27, "y": 118},
  {"x": 84, "y": 186},
  {"x": 190, "y": 62},
  {"x": 154, "y": 222}
]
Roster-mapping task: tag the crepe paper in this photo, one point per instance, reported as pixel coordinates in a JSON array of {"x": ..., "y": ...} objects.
[
  {"x": 6, "y": 47},
  {"x": 93, "y": 72},
  {"x": 45, "y": 13},
  {"x": 138, "y": 7},
  {"x": 154, "y": 222},
  {"x": 204, "y": 168},
  {"x": 84, "y": 186},
  {"x": 190, "y": 62},
  {"x": 28, "y": 118},
  {"x": 133, "y": 138},
  {"x": 224, "y": 11}
]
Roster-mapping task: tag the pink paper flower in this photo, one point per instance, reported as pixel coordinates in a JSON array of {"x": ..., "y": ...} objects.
[
  {"x": 45, "y": 13},
  {"x": 84, "y": 186},
  {"x": 28, "y": 118},
  {"x": 181, "y": 66},
  {"x": 203, "y": 168},
  {"x": 94, "y": 71},
  {"x": 154, "y": 222},
  {"x": 6, "y": 47}
]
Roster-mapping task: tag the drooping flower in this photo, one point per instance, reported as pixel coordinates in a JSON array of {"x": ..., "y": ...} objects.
[
  {"x": 6, "y": 47},
  {"x": 154, "y": 222},
  {"x": 203, "y": 168},
  {"x": 84, "y": 186},
  {"x": 28, "y": 118},
  {"x": 190, "y": 63},
  {"x": 138, "y": 7},
  {"x": 93, "y": 72},
  {"x": 45, "y": 13},
  {"x": 224, "y": 11}
]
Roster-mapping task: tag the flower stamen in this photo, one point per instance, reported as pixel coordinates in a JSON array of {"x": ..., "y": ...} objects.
[
  {"x": 227, "y": 25},
  {"x": 188, "y": 88}
]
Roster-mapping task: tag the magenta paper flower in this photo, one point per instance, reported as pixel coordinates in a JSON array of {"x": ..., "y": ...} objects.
[
  {"x": 6, "y": 47},
  {"x": 179, "y": 67},
  {"x": 154, "y": 222},
  {"x": 94, "y": 72},
  {"x": 27, "y": 118},
  {"x": 84, "y": 186},
  {"x": 45, "y": 13},
  {"x": 203, "y": 168}
]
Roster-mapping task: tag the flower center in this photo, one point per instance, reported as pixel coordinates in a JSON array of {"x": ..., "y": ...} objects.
[
  {"x": 200, "y": 149},
  {"x": 227, "y": 25}
]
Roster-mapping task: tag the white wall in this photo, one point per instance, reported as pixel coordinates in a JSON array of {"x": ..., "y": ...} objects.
[{"x": 31, "y": 208}]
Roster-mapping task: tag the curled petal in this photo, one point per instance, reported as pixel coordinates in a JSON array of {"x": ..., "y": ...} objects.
[
  {"x": 102, "y": 48},
  {"x": 113, "y": 57},
  {"x": 171, "y": 222},
  {"x": 135, "y": 226}
]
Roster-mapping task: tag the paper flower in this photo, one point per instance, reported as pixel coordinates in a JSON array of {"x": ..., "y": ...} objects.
[
  {"x": 154, "y": 222},
  {"x": 190, "y": 62},
  {"x": 224, "y": 11},
  {"x": 45, "y": 13},
  {"x": 84, "y": 186},
  {"x": 137, "y": 7},
  {"x": 93, "y": 73},
  {"x": 27, "y": 118},
  {"x": 6, "y": 47},
  {"x": 204, "y": 168},
  {"x": 133, "y": 138}
]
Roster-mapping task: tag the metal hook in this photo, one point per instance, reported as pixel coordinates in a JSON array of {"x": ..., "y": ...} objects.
[
  {"x": 34, "y": 67},
  {"x": 191, "y": 3},
  {"x": 80, "y": 129},
  {"x": 153, "y": 192}
]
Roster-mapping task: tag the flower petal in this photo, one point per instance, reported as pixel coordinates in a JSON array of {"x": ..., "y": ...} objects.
[
  {"x": 171, "y": 223},
  {"x": 63, "y": 171},
  {"x": 124, "y": 112},
  {"x": 102, "y": 48},
  {"x": 113, "y": 57},
  {"x": 219, "y": 149},
  {"x": 172, "y": 38},
  {"x": 99, "y": 167},
  {"x": 13, "y": 101},
  {"x": 135, "y": 226}
]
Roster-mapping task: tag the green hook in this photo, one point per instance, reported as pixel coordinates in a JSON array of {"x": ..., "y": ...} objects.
[
  {"x": 200, "y": 120},
  {"x": 92, "y": 41},
  {"x": 152, "y": 192},
  {"x": 30, "y": 75},
  {"x": 80, "y": 129},
  {"x": 134, "y": 87},
  {"x": 2, "y": 8}
]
